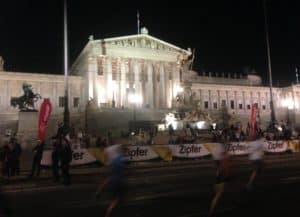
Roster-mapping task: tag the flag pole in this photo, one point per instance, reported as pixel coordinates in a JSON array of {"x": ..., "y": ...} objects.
[
  {"x": 273, "y": 118},
  {"x": 66, "y": 79}
]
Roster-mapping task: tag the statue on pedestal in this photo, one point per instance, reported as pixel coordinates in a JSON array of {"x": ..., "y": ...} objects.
[{"x": 27, "y": 100}]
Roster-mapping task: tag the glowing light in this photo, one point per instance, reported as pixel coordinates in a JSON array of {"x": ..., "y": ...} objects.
[
  {"x": 134, "y": 98},
  {"x": 200, "y": 124},
  {"x": 171, "y": 120},
  {"x": 214, "y": 125},
  {"x": 288, "y": 103}
]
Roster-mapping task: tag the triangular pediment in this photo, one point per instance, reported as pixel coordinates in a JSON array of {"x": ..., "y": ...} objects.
[{"x": 143, "y": 41}]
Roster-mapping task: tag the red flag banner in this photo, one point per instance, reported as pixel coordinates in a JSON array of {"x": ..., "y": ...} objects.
[
  {"x": 45, "y": 112},
  {"x": 253, "y": 120}
]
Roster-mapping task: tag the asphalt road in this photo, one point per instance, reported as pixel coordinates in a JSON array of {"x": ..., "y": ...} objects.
[{"x": 171, "y": 189}]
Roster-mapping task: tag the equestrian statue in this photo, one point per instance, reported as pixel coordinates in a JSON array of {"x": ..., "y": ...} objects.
[{"x": 27, "y": 100}]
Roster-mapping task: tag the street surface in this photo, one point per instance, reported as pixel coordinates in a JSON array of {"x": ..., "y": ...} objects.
[{"x": 180, "y": 188}]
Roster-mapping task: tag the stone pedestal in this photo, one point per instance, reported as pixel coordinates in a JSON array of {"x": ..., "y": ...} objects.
[{"x": 28, "y": 128}]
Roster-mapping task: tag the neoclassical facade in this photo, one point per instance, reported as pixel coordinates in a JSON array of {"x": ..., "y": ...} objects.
[
  {"x": 239, "y": 93},
  {"x": 149, "y": 73},
  {"x": 138, "y": 69}
]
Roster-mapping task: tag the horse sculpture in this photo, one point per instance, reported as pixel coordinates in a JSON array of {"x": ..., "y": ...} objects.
[{"x": 27, "y": 100}]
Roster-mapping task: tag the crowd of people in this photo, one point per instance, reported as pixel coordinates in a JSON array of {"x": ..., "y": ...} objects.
[{"x": 10, "y": 154}]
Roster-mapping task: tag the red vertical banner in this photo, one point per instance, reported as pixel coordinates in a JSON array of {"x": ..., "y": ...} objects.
[
  {"x": 45, "y": 112},
  {"x": 253, "y": 120}
]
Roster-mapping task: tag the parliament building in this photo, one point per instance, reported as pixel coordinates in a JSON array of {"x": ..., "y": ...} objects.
[{"x": 150, "y": 74}]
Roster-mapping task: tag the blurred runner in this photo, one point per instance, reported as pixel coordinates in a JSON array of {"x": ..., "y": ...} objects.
[
  {"x": 256, "y": 154},
  {"x": 223, "y": 173},
  {"x": 116, "y": 181}
]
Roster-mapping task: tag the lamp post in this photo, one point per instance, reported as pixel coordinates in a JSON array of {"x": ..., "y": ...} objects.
[
  {"x": 273, "y": 118},
  {"x": 66, "y": 80}
]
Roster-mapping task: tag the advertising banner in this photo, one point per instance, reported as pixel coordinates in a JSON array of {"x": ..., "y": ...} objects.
[
  {"x": 276, "y": 146},
  {"x": 45, "y": 112},
  {"x": 80, "y": 156},
  {"x": 163, "y": 151},
  {"x": 189, "y": 150},
  {"x": 238, "y": 148},
  {"x": 139, "y": 153},
  {"x": 294, "y": 145}
]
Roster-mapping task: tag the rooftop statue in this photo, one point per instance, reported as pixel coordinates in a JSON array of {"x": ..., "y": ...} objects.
[{"x": 27, "y": 100}]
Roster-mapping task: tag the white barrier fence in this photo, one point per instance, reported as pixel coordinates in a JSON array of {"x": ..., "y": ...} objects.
[{"x": 81, "y": 156}]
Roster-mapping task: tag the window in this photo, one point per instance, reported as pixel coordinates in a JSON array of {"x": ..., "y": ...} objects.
[
  {"x": 215, "y": 105},
  {"x": 61, "y": 101},
  {"x": 206, "y": 104},
  {"x": 248, "y": 107},
  {"x": 223, "y": 102},
  {"x": 240, "y": 106},
  {"x": 76, "y": 102},
  {"x": 263, "y": 107},
  {"x": 232, "y": 104}
]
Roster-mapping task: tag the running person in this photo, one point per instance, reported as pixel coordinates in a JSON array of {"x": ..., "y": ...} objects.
[
  {"x": 256, "y": 157},
  {"x": 223, "y": 174},
  {"x": 116, "y": 181}
]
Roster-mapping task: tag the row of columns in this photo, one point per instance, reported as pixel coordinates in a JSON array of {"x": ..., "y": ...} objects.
[
  {"x": 154, "y": 81},
  {"x": 238, "y": 98}
]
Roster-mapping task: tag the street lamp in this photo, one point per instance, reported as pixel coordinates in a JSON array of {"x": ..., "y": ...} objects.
[
  {"x": 273, "y": 118},
  {"x": 134, "y": 99},
  {"x": 66, "y": 82}
]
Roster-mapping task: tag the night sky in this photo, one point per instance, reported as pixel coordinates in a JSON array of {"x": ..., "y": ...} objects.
[{"x": 228, "y": 35}]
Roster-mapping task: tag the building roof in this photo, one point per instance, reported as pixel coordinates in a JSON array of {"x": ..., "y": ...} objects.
[{"x": 120, "y": 40}]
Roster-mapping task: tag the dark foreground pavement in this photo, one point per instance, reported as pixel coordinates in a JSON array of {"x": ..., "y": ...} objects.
[{"x": 168, "y": 189}]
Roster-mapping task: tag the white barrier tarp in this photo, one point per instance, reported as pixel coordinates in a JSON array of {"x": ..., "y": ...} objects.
[
  {"x": 276, "y": 146},
  {"x": 189, "y": 150},
  {"x": 238, "y": 148},
  {"x": 139, "y": 153},
  {"x": 79, "y": 156}
]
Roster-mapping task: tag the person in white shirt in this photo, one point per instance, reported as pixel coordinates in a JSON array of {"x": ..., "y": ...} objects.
[{"x": 256, "y": 153}]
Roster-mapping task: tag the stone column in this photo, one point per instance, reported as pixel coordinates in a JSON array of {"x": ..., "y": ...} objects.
[
  {"x": 168, "y": 76},
  {"x": 122, "y": 83},
  {"x": 162, "y": 101},
  {"x": 235, "y": 102},
  {"x": 227, "y": 100},
  {"x": 108, "y": 89},
  {"x": 137, "y": 84},
  {"x": 156, "y": 88},
  {"x": 244, "y": 102},
  {"x": 91, "y": 79},
  {"x": 175, "y": 82},
  {"x": 209, "y": 100},
  {"x": 7, "y": 96},
  {"x": 201, "y": 99},
  {"x": 150, "y": 88},
  {"x": 251, "y": 99},
  {"x": 219, "y": 104}
]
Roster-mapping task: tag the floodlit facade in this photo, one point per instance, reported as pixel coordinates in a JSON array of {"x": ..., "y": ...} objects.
[
  {"x": 115, "y": 69},
  {"x": 149, "y": 73}
]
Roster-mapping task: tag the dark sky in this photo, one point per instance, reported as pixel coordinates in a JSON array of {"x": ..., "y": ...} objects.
[{"x": 228, "y": 35}]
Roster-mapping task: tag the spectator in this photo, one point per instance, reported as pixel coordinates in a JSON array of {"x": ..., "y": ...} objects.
[
  {"x": 17, "y": 152},
  {"x": 38, "y": 154},
  {"x": 56, "y": 156},
  {"x": 66, "y": 158}
]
